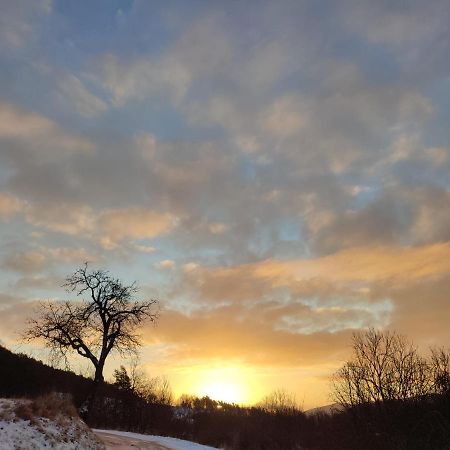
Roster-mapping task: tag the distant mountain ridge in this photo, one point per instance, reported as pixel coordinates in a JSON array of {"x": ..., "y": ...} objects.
[{"x": 328, "y": 410}]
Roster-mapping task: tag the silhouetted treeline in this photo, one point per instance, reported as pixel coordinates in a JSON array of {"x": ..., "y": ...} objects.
[
  {"x": 414, "y": 424},
  {"x": 419, "y": 423}
]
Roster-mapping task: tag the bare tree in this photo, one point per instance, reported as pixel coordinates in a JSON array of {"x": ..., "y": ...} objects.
[
  {"x": 280, "y": 402},
  {"x": 104, "y": 320},
  {"x": 384, "y": 366},
  {"x": 151, "y": 390},
  {"x": 440, "y": 370}
]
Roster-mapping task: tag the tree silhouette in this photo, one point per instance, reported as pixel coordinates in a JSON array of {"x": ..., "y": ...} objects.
[
  {"x": 122, "y": 379},
  {"x": 384, "y": 366},
  {"x": 104, "y": 320}
]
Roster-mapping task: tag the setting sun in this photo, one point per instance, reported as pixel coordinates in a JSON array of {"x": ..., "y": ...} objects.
[
  {"x": 227, "y": 384},
  {"x": 232, "y": 384},
  {"x": 226, "y": 391}
]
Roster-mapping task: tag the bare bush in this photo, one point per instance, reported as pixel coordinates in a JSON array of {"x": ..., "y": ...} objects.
[
  {"x": 279, "y": 402},
  {"x": 440, "y": 370},
  {"x": 50, "y": 406},
  {"x": 53, "y": 405},
  {"x": 151, "y": 390},
  {"x": 24, "y": 410}
]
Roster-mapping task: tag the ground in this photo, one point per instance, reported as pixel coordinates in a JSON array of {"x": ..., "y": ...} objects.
[
  {"x": 113, "y": 442},
  {"x": 121, "y": 440}
]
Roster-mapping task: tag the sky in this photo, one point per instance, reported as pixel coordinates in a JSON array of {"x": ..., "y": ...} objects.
[{"x": 276, "y": 173}]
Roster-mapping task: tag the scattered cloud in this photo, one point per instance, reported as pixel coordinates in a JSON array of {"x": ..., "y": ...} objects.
[
  {"x": 18, "y": 21},
  {"x": 38, "y": 132},
  {"x": 9, "y": 205},
  {"x": 74, "y": 94},
  {"x": 37, "y": 259},
  {"x": 165, "y": 264},
  {"x": 134, "y": 222}
]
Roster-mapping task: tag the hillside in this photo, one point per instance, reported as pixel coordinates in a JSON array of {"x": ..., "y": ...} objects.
[{"x": 23, "y": 376}]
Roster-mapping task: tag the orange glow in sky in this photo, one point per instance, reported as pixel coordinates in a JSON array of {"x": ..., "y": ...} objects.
[
  {"x": 231, "y": 384},
  {"x": 246, "y": 384}
]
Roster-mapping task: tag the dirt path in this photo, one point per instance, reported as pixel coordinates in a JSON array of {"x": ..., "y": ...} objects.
[{"x": 114, "y": 442}]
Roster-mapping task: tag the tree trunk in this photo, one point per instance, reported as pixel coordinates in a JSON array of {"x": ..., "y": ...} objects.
[
  {"x": 98, "y": 378},
  {"x": 97, "y": 382}
]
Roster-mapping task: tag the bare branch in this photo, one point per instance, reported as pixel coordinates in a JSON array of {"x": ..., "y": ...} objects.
[{"x": 385, "y": 366}]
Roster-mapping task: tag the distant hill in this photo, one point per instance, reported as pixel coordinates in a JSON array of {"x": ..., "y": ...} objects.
[{"x": 328, "y": 410}]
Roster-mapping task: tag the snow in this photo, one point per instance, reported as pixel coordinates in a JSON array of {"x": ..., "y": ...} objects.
[
  {"x": 328, "y": 410},
  {"x": 172, "y": 443},
  {"x": 40, "y": 433}
]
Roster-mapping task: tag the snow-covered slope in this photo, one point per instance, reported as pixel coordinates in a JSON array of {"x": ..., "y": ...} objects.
[
  {"x": 327, "y": 409},
  {"x": 168, "y": 442},
  {"x": 22, "y": 427}
]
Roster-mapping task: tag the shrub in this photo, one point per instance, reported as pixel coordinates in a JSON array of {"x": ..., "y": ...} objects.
[
  {"x": 24, "y": 411},
  {"x": 53, "y": 405}
]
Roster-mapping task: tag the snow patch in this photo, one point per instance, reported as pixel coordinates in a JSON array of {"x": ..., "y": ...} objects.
[
  {"x": 328, "y": 410},
  {"x": 40, "y": 433}
]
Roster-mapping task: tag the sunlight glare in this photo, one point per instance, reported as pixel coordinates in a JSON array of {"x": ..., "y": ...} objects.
[
  {"x": 229, "y": 392},
  {"x": 228, "y": 384}
]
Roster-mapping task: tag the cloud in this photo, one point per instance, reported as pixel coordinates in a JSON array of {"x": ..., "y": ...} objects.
[
  {"x": 19, "y": 19},
  {"x": 110, "y": 227},
  {"x": 39, "y": 132},
  {"x": 37, "y": 259},
  {"x": 412, "y": 24},
  {"x": 341, "y": 129},
  {"x": 6, "y": 300},
  {"x": 363, "y": 264},
  {"x": 144, "y": 78},
  {"x": 367, "y": 264},
  {"x": 165, "y": 264},
  {"x": 413, "y": 33},
  {"x": 300, "y": 313},
  {"x": 144, "y": 248},
  {"x": 14, "y": 318},
  {"x": 25, "y": 262},
  {"x": 412, "y": 216},
  {"x": 217, "y": 228},
  {"x": 205, "y": 52},
  {"x": 62, "y": 218},
  {"x": 199, "y": 52},
  {"x": 285, "y": 117},
  {"x": 134, "y": 222},
  {"x": 422, "y": 310},
  {"x": 235, "y": 337},
  {"x": 9, "y": 205},
  {"x": 74, "y": 94}
]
